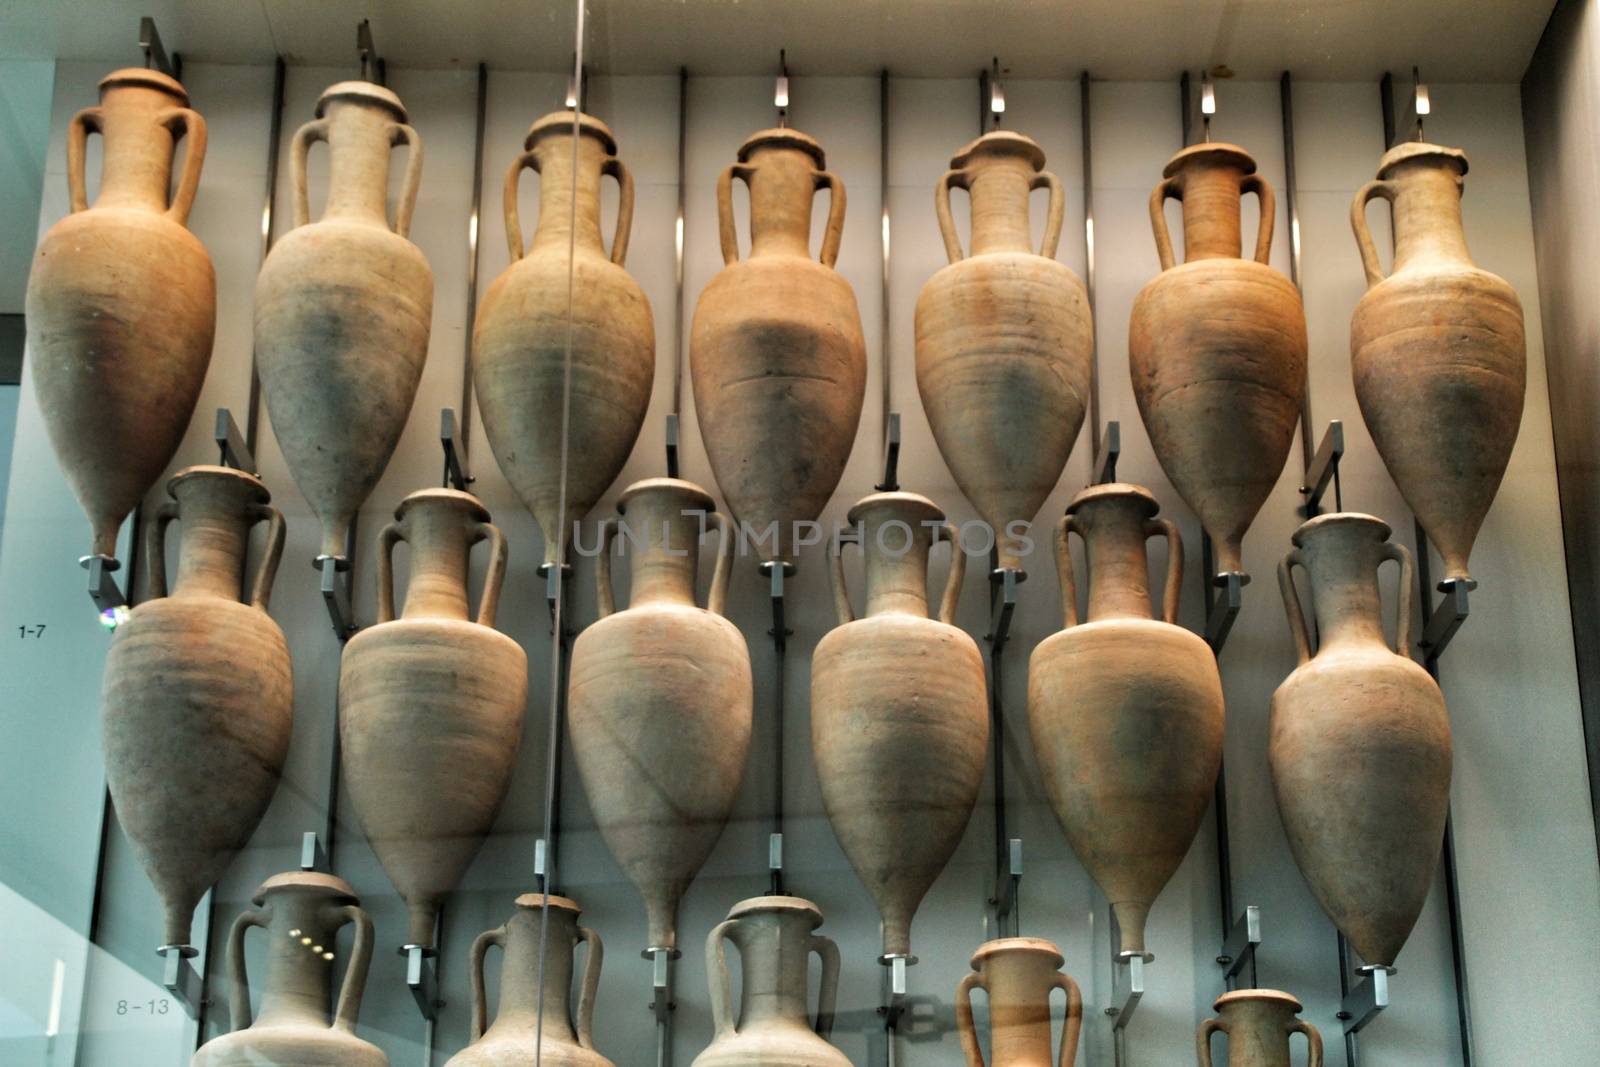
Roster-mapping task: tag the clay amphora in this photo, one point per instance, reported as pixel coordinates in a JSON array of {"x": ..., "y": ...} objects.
[
  {"x": 343, "y": 307},
  {"x": 1004, "y": 340},
  {"x": 301, "y": 913},
  {"x": 199, "y": 695},
  {"x": 775, "y": 938},
  {"x": 1018, "y": 974},
  {"x": 1126, "y": 710},
  {"x": 776, "y": 353},
  {"x": 517, "y": 1038},
  {"x": 1258, "y": 1023},
  {"x": 527, "y": 347},
  {"x": 659, "y": 708},
  {"x": 1438, "y": 354},
  {"x": 899, "y": 712},
  {"x": 1367, "y": 837},
  {"x": 122, "y": 301},
  {"x": 1217, "y": 347},
  {"x": 431, "y": 704}
]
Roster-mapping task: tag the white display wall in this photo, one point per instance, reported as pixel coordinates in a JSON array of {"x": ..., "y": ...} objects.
[{"x": 1529, "y": 878}]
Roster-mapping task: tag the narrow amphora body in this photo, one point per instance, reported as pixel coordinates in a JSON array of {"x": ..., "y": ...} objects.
[
  {"x": 122, "y": 300},
  {"x": 776, "y": 353},
  {"x": 660, "y": 699},
  {"x": 1126, "y": 710},
  {"x": 1004, "y": 342},
  {"x": 198, "y": 696},
  {"x": 1437, "y": 351},
  {"x": 564, "y": 347},
  {"x": 1366, "y": 838},
  {"x": 1217, "y": 348},
  {"x": 431, "y": 704},
  {"x": 343, "y": 308},
  {"x": 899, "y": 712}
]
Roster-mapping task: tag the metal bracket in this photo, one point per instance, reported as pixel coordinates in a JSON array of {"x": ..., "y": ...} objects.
[
  {"x": 336, "y": 595},
  {"x": 234, "y": 452},
  {"x": 555, "y": 581},
  {"x": 372, "y": 65},
  {"x": 776, "y": 572},
  {"x": 1239, "y": 948},
  {"x": 661, "y": 1003},
  {"x": 1127, "y": 986},
  {"x": 775, "y": 853},
  {"x": 313, "y": 856},
  {"x": 891, "y": 455},
  {"x": 540, "y": 865},
  {"x": 1105, "y": 460},
  {"x": 155, "y": 54},
  {"x": 1006, "y": 883},
  {"x": 1222, "y": 608},
  {"x": 179, "y": 977},
  {"x": 455, "y": 474},
  {"x": 103, "y": 588},
  {"x": 422, "y": 978},
  {"x": 1324, "y": 469},
  {"x": 1445, "y": 619},
  {"x": 672, "y": 445},
  {"x": 892, "y": 1002},
  {"x": 1370, "y": 996},
  {"x": 1002, "y": 604}
]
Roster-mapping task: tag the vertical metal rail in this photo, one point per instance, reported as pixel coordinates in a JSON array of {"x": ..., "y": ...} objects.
[
  {"x": 474, "y": 230},
  {"x": 269, "y": 214},
  {"x": 885, "y": 363},
  {"x": 1425, "y": 589},
  {"x": 1291, "y": 205},
  {"x": 1088, "y": 258},
  {"x": 678, "y": 316}
]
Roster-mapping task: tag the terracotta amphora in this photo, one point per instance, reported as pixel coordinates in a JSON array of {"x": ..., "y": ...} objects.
[
  {"x": 301, "y": 913},
  {"x": 1126, "y": 710},
  {"x": 1217, "y": 347},
  {"x": 1438, "y": 353},
  {"x": 1019, "y": 974},
  {"x": 775, "y": 351},
  {"x": 535, "y": 986},
  {"x": 343, "y": 308},
  {"x": 776, "y": 938},
  {"x": 431, "y": 704},
  {"x": 660, "y": 700},
  {"x": 1258, "y": 1023},
  {"x": 1367, "y": 837},
  {"x": 122, "y": 300},
  {"x": 563, "y": 369},
  {"x": 899, "y": 712},
  {"x": 199, "y": 695},
  {"x": 1005, "y": 345}
]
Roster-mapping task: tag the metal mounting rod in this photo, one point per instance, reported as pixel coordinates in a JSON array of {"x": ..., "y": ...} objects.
[
  {"x": 780, "y": 89},
  {"x": 155, "y": 54},
  {"x": 1239, "y": 947},
  {"x": 672, "y": 445},
  {"x": 269, "y": 214},
  {"x": 371, "y": 65},
  {"x": 1105, "y": 459},
  {"x": 473, "y": 227},
  {"x": 777, "y": 571},
  {"x": 1007, "y": 882},
  {"x": 1003, "y": 582},
  {"x": 661, "y": 1002},
  {"x": 1222, "y": 607},
  {"x": 892, "y": 999},
  {"x": 1322, "y": 471},
  {"x": 557, "y": 598},
  {"x": 451, "y": 440},
  {"x": 103, "y": 589},
  {"x": 891, "y": 453},
  {"x": 231, "y": 445},
  {"x": 1369, "y": 997},
  {"x": 313, "y": 855},
  {"x": 336, "y": 594},
  {"x": 422, "y": 978},
  {"x": 180, "y": 979},
  {"x": 1441, "y": 621}
]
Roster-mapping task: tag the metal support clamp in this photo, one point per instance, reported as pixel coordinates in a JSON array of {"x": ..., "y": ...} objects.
[
  {"x": 661, "y": 1002},
  {"x": 1369, "y": 997},
  {"x": 313, "y": 856},
  {"x": 1239, "y": 948},
  {"x": 892, "y": 1002},
  {"x": 155, "y": 54},
  {"x": 231, "y": 446},
  {"x": 1323, "y": 470},
  {"x": 555, "y": 580},
  {"x": 1002, "y": 604},
  {"x": 891, "y": 455},
  {"x": 103, "y": 588},
  {"x": 777, "y": 571},
  {"x": 1222, "y": 608},
  {"x": 1127, "y": 986},
  {"x": 336, "y": 594},
  {"x": 1444, "y": 619},
  {"x": 422, "y": 978},
  {"x": 1109, "y": 449},
  {"x": 672, "y": 445},
  {"x": 1007, "y": 880},
  {"x": 455, "y": 474},
  {"x": 179, "y": 977}
]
